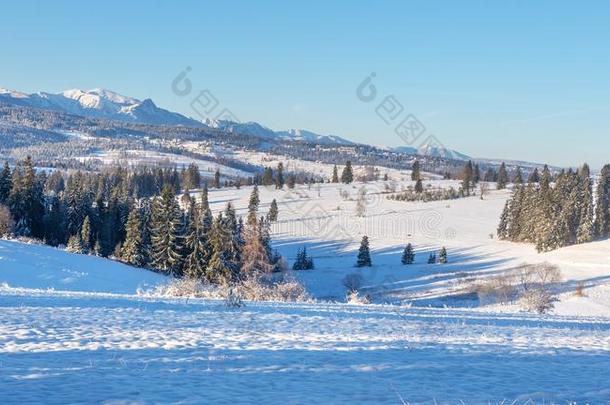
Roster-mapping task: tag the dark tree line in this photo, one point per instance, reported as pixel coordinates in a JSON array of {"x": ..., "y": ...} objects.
[
  {"x": 560, "y": 213},
  {"x": 135, "y": 215}
]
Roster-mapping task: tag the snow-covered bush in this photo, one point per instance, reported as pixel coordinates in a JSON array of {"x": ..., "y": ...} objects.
[
  {"x": 233, "y": 299},
  {"x": 281, "y": 288},
  {"x": 537, "y": 300},
  {"x": 354, "y": 297},
  {"x": 496, "y": 290}
]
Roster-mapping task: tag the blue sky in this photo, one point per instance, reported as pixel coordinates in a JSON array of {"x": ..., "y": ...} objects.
[{"x": 513, "y": 80}]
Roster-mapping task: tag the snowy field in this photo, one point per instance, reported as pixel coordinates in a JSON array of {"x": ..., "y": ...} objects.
[
  {"x": 74, "y": 329},
  {"x": 83, "y": 348}
]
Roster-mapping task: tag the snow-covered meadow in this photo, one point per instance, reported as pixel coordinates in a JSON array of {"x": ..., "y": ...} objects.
[{"x": 75, "y": 330}]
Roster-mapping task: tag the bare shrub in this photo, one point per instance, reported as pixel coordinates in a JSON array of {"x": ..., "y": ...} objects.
[
  {"x": 6, "y": 221},
  {"x": 352, "y": 282},
  {"x": 538, "y": 300},
  {"x": 233, "y": 299},
  {"x": 498, "y": 289}
]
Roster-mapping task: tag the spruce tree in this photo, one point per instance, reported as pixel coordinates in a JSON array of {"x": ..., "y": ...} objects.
[
  {"x": 335, "y": 178},
  {"x": 415, "y": 171},
  {"x": 273, "y": 211},
  {"x": 585, "y": 231},
  {"x": 502, "y": 177},
  {"x": 6, "y": 183},
  {"x": 75, "y": 244},
  {"x": 442, "y": 255},
  {"x": 364, "y": 255},
  {"x": 166, "y": 238},
  {"x": 602, "y": 204},
  {"x": 408, "y": 257},
  {"x": 347, "y": 176},
  {"x": 518, "y": 179},
  {"x": 279, "y": 178},
  {"x": 467, "y": 177},
  {"x": 253, "y": 206},
  {"x": 432, "y": 258},
  {"x": 419, "y": 187},
  {"x": 534, "y": 176},
  {"x": 132, "y": 250},
  {"x": 85, "y": 235},
  {"x": 217, "y": 179},
  {"x": 196, "y": 245}
]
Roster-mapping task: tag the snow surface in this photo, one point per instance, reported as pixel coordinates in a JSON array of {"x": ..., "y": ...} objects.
[{"x": 73, "y": 329}]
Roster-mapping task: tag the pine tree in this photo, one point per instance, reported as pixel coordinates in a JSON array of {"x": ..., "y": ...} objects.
[
  {"x": 255, "y": 258},
  {"x": 518, "y": 179},
  {"x": 504, "y": 221},
  {"x": 279, "y": 179},
  {"x": 335, "y": 178},
  {"x": 217, "y": 179},
  {"x": 432, "y": 258},
  {"x": 585, "y": 231},
  {"x": 602, "y": 204},
  {"x": 415, "y": 171},
  {"x": 166, "y": 238},
  {"x": 132, "y": 250},
  {"x": 267, "y": 178},
  {"x": 273, "y": 211},
  {"x": 75, "y": 244},
  {"x": 408, "y": 257},
  {"x": 220, "y": 268},
  {"x": 196, "y": 245},
  {"x": 502, "y": 177},
  {"x": 534, "y": 176},
  {"x": 6, "y": 183},
  {"x": 347, "y": 176},
  {"x": 442, "y": 255},
  {"x": 253, "y": 206},
  {"x": 364, "y": 255},
  {"x": 85, "y": 235},
  {"x": 303, "y": 261},
  {"x": 419, "y": 187},
  {"x": 467, "y": 177}
]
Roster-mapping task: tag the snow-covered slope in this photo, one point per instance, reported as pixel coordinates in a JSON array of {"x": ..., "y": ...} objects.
[
  {"x": 256, "y": 129},
  {"x": 432, "y": 150},
  {"x": 43, "y": 267},
  {"x": 98, "y": 103}
]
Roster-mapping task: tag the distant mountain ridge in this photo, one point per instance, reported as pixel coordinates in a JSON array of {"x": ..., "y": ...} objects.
[
  {"x": 99, "y": 103},
  {"x": 105, "y": 104}
]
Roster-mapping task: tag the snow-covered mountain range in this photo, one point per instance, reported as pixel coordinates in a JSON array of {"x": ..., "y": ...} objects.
[
  {"x": 432, "y": 150},
  {"x": 105, "y": 104},
  {"x": 254, "y": 128},
  {"x": 98, "y": 103}
]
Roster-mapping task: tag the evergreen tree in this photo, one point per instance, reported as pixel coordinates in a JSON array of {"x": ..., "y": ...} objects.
[
  {"x": 166, "y": 238},
  {"x": 347, "y": 176},
  {"x": 502, "y": 177},
  {"x": 585, "y": 231},
  {"x": 279, "y": 179},
  {"x": 602, "y": 204},
  {"x": 221, "y": 269},
  {"x": 303, "y": 261},
  {"x": 442, "y": 255},
  {"x": 408, "y": 257},
  {"x": 432, "y": 258},
  {"x": 467, "y": 177},
  {"x": 476, "y": 175},
  {"x": 267, "y": 178},
  {"x": 534, "y": 176},
  {"x": 85, "y": 235},
  {"x": 75, "y": 244},
  {"x": 415, "y": 171},
  {"x": 364, "y": 255},
  {"x": 196, "y": 245},
  {"x": 132, "y": 251},
  {"x": 518, "y": 179},
  {"x": 6, "y": 183},
  {"x": 273, "y": 211},
  {"x": 255, "y": 258},
  {"x": 335, "y": 178},
  {"x": 419, "y": 187},
  {"x": 217, "y": 179},
  {"x": 253, "y": 206}
]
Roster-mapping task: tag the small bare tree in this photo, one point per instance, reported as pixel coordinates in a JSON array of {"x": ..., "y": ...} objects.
[
  {"x": 484, "y": 188},
  {"x": 361, "y": 203}
]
